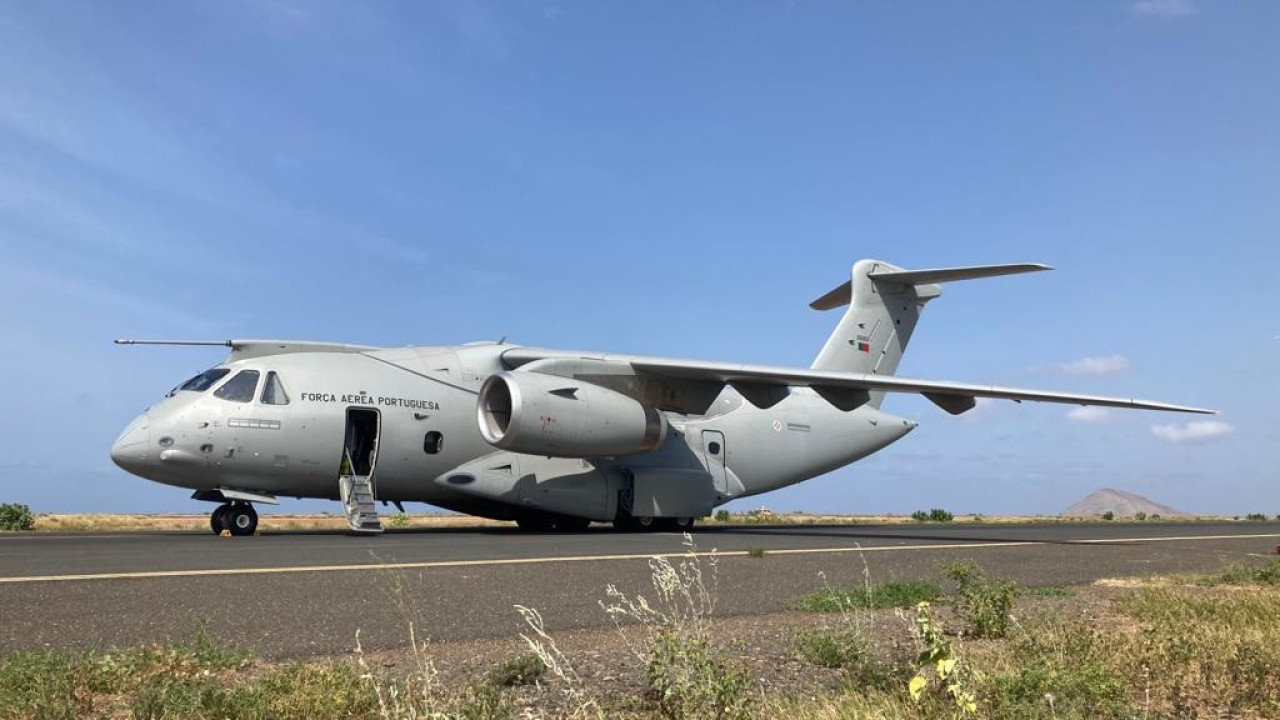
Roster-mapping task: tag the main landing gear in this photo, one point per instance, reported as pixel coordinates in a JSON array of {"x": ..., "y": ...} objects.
[
  {"x": 238, "y": 518},
  {"x": 643, "y": 523}
]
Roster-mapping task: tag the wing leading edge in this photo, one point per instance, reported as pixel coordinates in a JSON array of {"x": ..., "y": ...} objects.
[{"x": 953, "y": 397}]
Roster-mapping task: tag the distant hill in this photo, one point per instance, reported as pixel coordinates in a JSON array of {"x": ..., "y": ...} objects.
[{"x": 1122, "y": 503}]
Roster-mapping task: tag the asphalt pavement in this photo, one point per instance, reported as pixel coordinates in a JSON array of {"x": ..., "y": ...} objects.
[{"x": 297, "y": 594}]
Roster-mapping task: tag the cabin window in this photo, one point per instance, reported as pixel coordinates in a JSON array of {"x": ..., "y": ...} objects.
[
  {"x": 239, "y": 388},
  {"x": 273, "y": 391},
  {"x": 203, "y": 381},
  {"x": 433, "y": 443}
]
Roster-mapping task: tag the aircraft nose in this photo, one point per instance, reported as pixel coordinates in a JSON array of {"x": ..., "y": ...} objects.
[{"x": 131, "y": 448}]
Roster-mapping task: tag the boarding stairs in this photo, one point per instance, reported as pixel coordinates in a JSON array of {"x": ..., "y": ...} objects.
[{"x": 358, "y": 501}]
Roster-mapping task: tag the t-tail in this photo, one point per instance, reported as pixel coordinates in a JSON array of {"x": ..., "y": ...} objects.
[{"x": 884, "y": 304}]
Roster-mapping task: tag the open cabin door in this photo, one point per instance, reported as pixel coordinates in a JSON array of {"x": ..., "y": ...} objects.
[{"x": 355, "y": 476}]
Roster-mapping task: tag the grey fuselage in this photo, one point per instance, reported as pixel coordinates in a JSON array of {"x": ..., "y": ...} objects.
[{"x": 200, "y": 441}]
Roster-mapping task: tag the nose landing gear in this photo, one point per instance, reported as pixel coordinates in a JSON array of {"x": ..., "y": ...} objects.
[{"x": 238, "y": 518}]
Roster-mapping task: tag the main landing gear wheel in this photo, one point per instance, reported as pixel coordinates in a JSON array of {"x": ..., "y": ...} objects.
[
  {"x": 237, "y": 518},
  {"x": 218, "y": 518},
  {"x": 241, "y": 519},
  {"x": 628, "y": 523},
  {"x": 677, "y": 524}
]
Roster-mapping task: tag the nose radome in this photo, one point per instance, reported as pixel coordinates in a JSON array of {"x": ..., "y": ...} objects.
[{"x": 131, "y": 448}]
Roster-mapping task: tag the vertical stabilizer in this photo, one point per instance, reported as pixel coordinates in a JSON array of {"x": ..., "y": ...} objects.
[{"x": 877, "y": 326}]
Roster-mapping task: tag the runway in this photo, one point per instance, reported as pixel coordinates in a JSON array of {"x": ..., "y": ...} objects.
[{"x": 306, "y": 593}]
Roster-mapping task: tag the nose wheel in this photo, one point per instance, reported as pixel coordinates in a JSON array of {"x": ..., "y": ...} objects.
[{"x": 238, "y": 518}]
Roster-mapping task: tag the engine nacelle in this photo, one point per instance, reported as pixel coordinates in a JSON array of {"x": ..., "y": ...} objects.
[{"x": 538, "y": 414}]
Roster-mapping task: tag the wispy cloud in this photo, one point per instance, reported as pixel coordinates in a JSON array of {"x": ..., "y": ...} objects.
[
  {"x": 1197, "y": 431},
  {"x": 1163, "y": 8},
  {"x": 1104, "y": 365},
  {"x": 1088, "y": 414}
]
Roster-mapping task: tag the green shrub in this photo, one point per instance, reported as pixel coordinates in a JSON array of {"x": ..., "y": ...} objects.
[
  {"x": 920, "y": 516},
  {"x": 522, "y": 669},
  {"x": 893, "y": 593},
  {"x": 985, "y": 604},
  {"x": 400, "y": 520},
  {"x": 1139, "y": 516},
  {"x": 1256, "y": 517},
  {"x": 16, "y": 517},
  {"x": 723, "y": 516},
  {"x": 1108, "y": 515},
  {"x": 690, "y": 678},
  {"x": 845, "y": 649},
  {"x": 940, "y": 515}
]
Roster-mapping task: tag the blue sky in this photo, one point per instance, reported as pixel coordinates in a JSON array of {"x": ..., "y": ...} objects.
[{"x": 666, "y": 178}]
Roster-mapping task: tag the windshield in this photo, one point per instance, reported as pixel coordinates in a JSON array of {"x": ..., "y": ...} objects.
[
  {"x": 239, "y": 388},
  {"x": 201, "y": 382}
]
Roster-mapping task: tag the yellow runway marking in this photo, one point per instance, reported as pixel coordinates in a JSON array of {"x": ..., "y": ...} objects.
[{"x": 439, "y": 564}]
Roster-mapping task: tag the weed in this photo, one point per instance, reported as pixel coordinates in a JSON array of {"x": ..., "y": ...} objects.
[
  {"x": 399, "y": 520},
  {"x": 756, "y": 552},
  {"x": 847, "y": 649},
  {"x": 522, "y": 669},
  {"x": 985, "y": 604},
  {"x": 723, "y": 516},
  {"x": 892, "y": 593},
  {"x": 943, "y": 658},
  {"x": 690, "y": 678},
  {"x": 16, "y": 517},
  {"x": 1267, "y": 573},
  {"x": 1058, "y": 670}
]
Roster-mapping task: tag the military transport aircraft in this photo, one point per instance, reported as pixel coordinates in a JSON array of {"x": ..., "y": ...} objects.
[{"x": 552, "y": 439}]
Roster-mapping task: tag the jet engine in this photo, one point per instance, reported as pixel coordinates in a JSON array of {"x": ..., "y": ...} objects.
[{"x": 537, "y": 414}]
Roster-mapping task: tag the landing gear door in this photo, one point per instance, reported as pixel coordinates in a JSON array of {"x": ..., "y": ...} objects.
[{"x": 713, "y": 454}]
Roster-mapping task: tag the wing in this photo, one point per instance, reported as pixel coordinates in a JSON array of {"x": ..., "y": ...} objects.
[{"x": 691, "y": 386}]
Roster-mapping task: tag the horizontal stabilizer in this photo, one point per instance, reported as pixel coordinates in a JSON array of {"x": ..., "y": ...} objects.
[
  {"x": 924, "y": 277},
  {"x": 840, "y": 296}
]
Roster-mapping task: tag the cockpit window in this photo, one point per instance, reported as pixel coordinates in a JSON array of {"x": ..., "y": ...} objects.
[
  {"x": 273, "y": 391},
  {"x": 239, "y": 388},
  {"x": 203, "y": 381}
]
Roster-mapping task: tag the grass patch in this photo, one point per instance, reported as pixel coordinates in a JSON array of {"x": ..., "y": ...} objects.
[
  {"x": 1267, "y": 573},
  {"x": 892, "y": 593},
  {"x": 846, "y": 649},
  {"x": 756, "y": 552},
  {"x": 522, "y": 669}
]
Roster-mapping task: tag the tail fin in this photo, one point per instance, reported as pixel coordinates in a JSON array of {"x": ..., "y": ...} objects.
[{"x": 884, "y": 304}]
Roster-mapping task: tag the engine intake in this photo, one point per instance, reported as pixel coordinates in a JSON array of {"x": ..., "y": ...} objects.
[{"x": 538, "y": 414}]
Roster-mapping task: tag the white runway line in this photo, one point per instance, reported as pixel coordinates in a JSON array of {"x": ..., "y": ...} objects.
[{"x": 427, "y": 565}]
